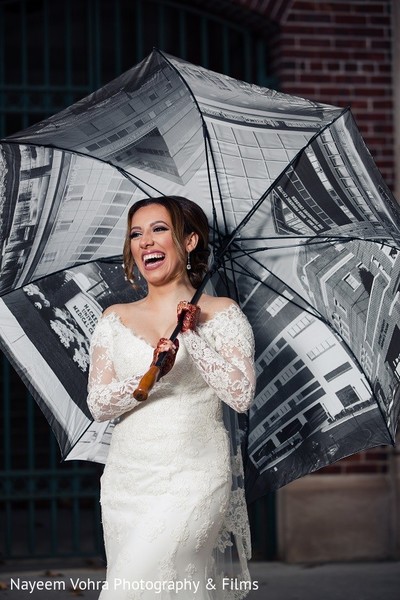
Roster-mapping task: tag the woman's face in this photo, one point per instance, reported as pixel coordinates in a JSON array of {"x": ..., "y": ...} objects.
[{"x": 152, "y": 246}]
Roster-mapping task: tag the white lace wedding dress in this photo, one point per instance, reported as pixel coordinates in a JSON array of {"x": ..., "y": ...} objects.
[{"x": 173, "y": 506}]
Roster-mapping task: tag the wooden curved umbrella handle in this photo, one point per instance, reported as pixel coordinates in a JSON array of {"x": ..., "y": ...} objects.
[
  {"x": 146, "y": 383},
  {"x": 150, "y": 378}
]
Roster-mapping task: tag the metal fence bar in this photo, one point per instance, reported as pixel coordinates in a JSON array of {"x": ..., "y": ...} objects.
[
  {"x": 204, "y": 42},
  {"x": 7, "y": 454},
  {"x": 261, "y": 69},
  {"x": 35, "y": 87},
  {"x": 54, "y": 498},
  {"x": 68, "y": 53},
  {"x": 46, "y": 57},
  {"x": 90, "y": 44},
  {"x": 247, "y": 56},
  {"x": 225, "y": 49},
  {"x": 95, "y": 49},
  {"x": 139, "y": 30},
  {"x": 118, "y": 36},
  {"x": 182, "y": 35},
  {"x": 75, "y": 511},
  {"x": 30, "y": 423},
  {"x": 24, "y": 65},
  {"x": 161, "y": 26},
  {"x": 44, "y": 494},
  {"x": 2, "y": 66}
]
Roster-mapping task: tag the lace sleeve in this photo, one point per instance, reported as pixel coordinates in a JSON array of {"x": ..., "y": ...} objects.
[
  {"x": 228, "y": 365},
  {"x": 108, "y": 397}
]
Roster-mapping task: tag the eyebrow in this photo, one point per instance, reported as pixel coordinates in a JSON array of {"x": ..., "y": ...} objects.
[{"x": 151, "y": 224}]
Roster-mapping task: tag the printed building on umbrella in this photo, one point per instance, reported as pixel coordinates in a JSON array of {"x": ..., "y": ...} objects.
[
  {"x": 29, "y": 173},
  {"x": 307, "y": 378},
  {"x": 145, "y": 135},
  {"x": 334, "y": 180},
  {"x": 150, "y": 130},
  {"x": 344, "y": 288},
  {"x": 78, "y": 240}
]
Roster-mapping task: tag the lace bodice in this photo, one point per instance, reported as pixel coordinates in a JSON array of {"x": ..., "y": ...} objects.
[{"x": 222, "y": 350}]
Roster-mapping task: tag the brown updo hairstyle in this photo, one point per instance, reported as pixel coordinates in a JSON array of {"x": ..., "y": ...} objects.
[{"x": 186, "y": 217}]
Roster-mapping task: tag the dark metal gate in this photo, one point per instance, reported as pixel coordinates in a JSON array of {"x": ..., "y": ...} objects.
[{"x": 52, "y": 54}]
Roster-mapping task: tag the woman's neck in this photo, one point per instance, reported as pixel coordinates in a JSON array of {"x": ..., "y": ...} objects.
[{"x": 170, "y": 293}]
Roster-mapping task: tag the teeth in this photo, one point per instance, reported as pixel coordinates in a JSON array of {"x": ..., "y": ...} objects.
[{"x": 152, "y": 256}]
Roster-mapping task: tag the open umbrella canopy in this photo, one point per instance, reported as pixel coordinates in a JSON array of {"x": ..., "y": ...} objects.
[{"x": 312, "y": 239}]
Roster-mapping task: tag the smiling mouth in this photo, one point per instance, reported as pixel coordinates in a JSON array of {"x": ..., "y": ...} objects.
[{"x": 153, "y": 259}]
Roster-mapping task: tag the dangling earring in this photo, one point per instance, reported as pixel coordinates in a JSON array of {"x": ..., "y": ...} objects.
[{"x": 188, "y": 265}]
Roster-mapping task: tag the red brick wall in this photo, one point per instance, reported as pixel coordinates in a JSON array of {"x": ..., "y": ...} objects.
[
  {"x": 338, "y": 52},
  {"x": 375, "y": 460}
]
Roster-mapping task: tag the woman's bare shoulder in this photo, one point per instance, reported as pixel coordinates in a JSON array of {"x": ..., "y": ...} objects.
[
  {"x": 121, "y": 310},
  {"x": 113, "y": 309},
  {"x": 210, "y": 305}
]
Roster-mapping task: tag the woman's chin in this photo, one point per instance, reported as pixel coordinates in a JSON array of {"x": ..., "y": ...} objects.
[{"x": 158, "y": 277}]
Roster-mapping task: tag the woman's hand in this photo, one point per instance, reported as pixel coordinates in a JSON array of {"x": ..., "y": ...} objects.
[
  {"x": 191, "y": 314},
  {"x": 165, "y": 345}
]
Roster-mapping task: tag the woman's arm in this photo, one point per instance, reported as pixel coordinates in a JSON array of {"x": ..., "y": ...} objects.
[
  {"x": 108, "y": 398},
  {"x": 228, "y": 367}
]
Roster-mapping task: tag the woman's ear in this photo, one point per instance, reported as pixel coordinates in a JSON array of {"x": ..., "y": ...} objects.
[{"x": 191, "y": 241}]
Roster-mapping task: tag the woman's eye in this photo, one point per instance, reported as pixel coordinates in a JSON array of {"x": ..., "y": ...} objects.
[{"x": 136, "y": 234}]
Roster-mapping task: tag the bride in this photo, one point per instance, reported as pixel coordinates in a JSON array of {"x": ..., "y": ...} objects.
[{"x": 173, "y": 507}]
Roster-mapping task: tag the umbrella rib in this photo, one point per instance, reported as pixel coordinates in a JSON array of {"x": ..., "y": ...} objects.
[
  {"x": 208, "y": 143},
  {"x": 134, "y": 180},
  {"x": 314, "y": 242},
  {"x": 216, "y": 230},
  {"x": 334, "y": 238},
  {"x": 64, "y": 456}
]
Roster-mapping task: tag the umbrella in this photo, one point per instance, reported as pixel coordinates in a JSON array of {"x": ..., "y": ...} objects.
[{"x": 310, "y": 237}]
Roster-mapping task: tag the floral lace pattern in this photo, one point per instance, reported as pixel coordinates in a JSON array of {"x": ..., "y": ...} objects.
[
  {"x": 108, "y": 396},
  {"x": 173, "y": 505},
  {"x": 228, "y": 369}
]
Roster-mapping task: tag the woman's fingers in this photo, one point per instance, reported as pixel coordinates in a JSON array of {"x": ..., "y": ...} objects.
[
  {"x": 191, "y": 314},
  {"x": 165, "y": 345}
]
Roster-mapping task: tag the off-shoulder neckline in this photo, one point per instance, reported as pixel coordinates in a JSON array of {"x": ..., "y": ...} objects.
[{"x": 116, "y": 317}]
